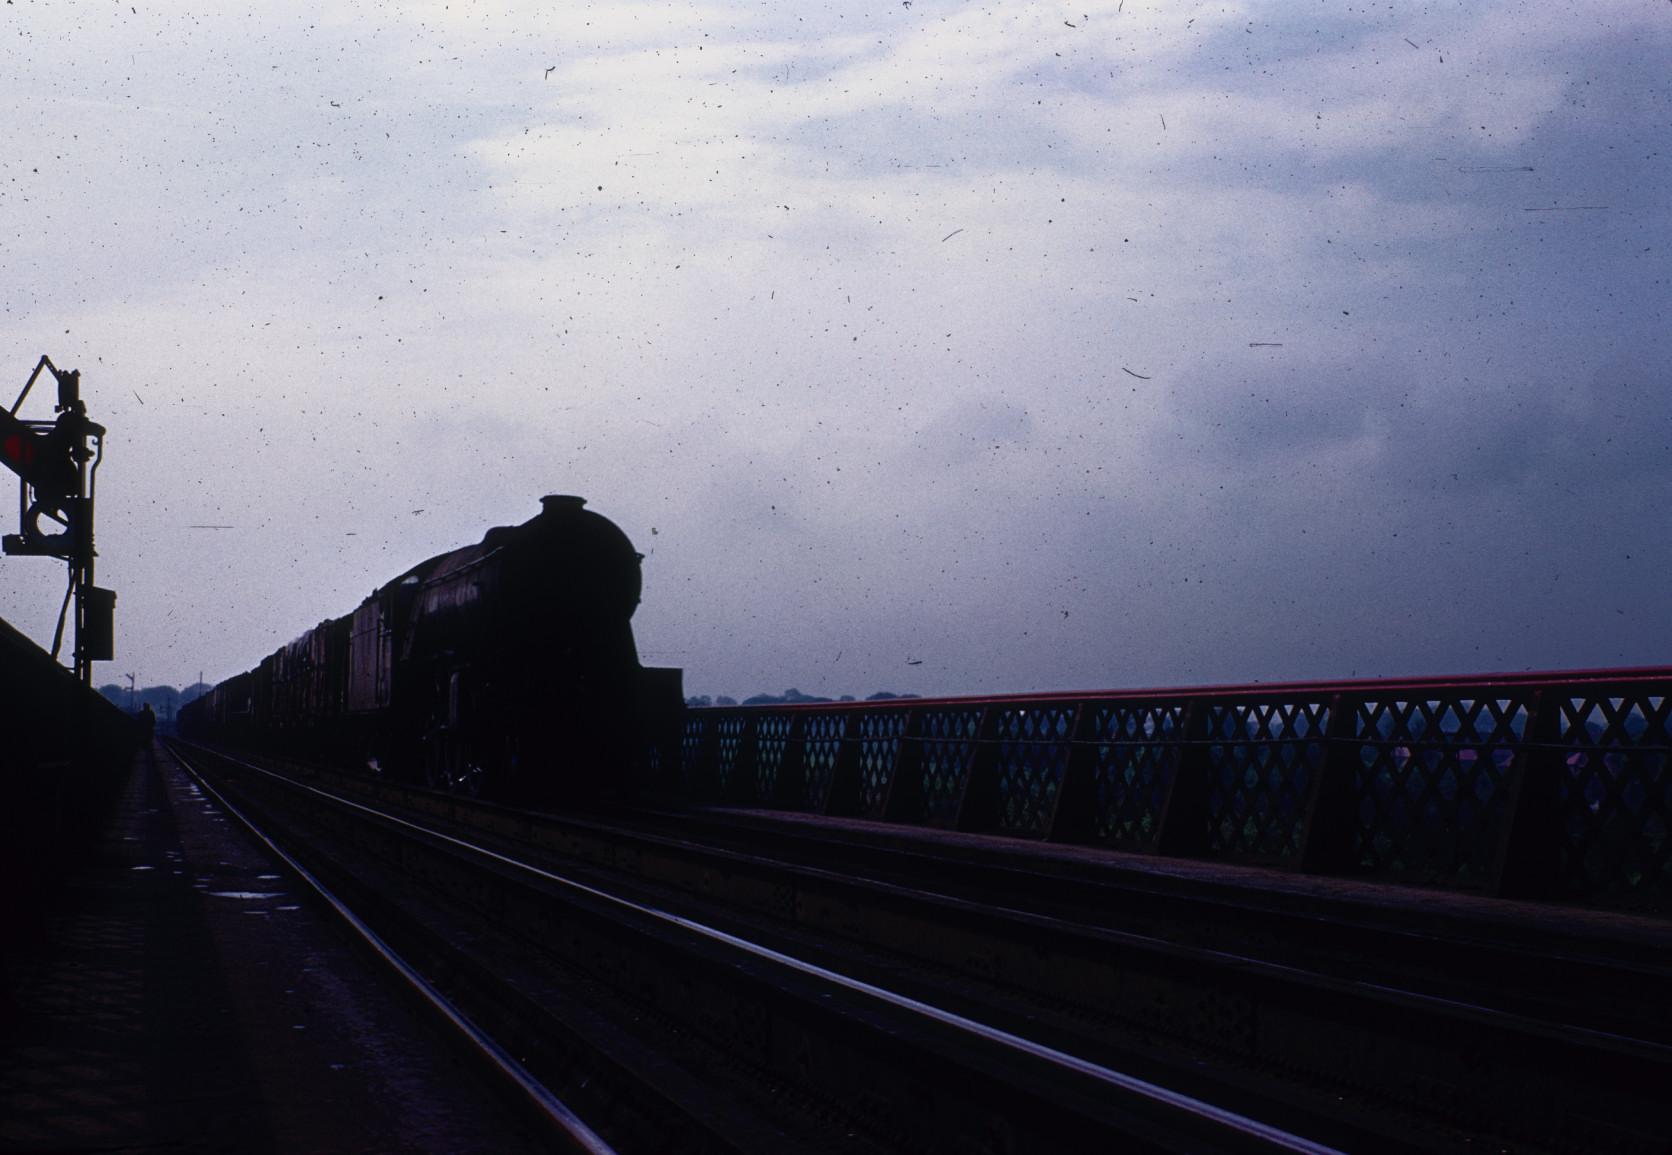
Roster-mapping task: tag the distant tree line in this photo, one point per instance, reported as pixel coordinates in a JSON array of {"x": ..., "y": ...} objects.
[
  {"x": 165, "y": 701},
  {"x": 788, "y": 697}
]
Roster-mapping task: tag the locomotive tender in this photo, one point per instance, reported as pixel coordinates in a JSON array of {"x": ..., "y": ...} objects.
[{"x": 506, "y": 668}]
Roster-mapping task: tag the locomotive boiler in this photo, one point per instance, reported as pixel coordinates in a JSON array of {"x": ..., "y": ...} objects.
[{"x": 506, "y": 668}]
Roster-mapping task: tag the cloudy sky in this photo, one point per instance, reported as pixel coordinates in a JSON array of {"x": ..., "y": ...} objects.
[{"x": 927, "y": 347}]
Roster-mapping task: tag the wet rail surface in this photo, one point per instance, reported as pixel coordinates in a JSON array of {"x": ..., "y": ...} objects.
[{"x": 782, "y": 988}]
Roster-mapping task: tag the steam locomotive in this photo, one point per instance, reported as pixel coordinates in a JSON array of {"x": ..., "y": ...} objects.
[{"x": 504, "y": 669}]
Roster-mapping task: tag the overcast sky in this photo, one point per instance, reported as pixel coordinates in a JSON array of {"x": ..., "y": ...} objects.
[{"x": 925, "y": 347}]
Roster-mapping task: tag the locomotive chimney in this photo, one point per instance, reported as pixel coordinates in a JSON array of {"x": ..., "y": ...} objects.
[{"x": 560, "y": 503}]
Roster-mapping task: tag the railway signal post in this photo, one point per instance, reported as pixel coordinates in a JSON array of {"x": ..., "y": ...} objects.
[{"x": 56, "y": 463}]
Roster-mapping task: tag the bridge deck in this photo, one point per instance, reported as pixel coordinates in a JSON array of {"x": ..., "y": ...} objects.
[{"x": 1418, "y": 908}]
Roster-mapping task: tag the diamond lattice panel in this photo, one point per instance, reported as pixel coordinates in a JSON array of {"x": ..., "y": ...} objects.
[
  {"x": 1615, "y": 797},
  {"x": 1137, "y": 756},
  {"x": 1032, "y": 758},
  {"x": 822, "y": 744},
  {"x": 948, "y": 738},
  {"x": 1262, "y": 760},
  {"x": 880, "y": 735},
  {"x": 690, "y": 747},
  {"x": 1431, "y": 783},
  {"x": 729, "y": 745},
  {"x": 772, "y": 735}
]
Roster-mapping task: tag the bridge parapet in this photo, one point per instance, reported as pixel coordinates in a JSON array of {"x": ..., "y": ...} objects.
[{"x": 1551, "y": 785}]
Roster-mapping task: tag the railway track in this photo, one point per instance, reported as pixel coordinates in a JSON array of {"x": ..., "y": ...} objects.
[{"x": 702, "y": 983}]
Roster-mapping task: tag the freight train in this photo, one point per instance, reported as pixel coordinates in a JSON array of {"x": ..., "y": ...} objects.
[{"x": 505, "y": 669}]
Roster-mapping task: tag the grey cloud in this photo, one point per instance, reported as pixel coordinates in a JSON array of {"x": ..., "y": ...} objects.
[
  {"x": 853, "y": 437},
  {"x": 971, "y": 427}
]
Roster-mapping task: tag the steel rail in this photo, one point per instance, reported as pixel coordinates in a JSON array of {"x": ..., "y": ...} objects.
[
  {"x": 1240, "y": 1127},
  {"x": 579, "y": 1137}
]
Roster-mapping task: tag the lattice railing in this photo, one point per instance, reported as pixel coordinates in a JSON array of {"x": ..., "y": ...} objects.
[
  {"x": 1138, "y": 746},
  {"x": 1547, "y": 784},
  {"x": 1033, "y": 748},
  {"x": 822, "y": 736},
  {"x": 1433, "y": 775},
  {"x": 1263, "y": 759},
  {"x": 1613, "y": 801},
  {"x": 881, "y": 735},
  {"x": 772, "y": 737}
]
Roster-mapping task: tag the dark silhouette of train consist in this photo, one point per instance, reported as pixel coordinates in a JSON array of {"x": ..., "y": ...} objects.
[{"x": 505, "y": 669}]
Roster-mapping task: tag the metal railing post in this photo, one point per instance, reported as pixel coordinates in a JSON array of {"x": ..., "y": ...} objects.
[
  {"x": 1183, "y": 825},
  {"x": 1074, "y": 817},
  {"x": 740, "y": 786},
  {"x": 979, "y": 802},
  {"x": 903, "y": 801},
  {"x": 704, "y": 775},
  {"x": 845, "y": 794},
  {"x": 1327, "y": 834},
  {"x": 789, "y": 788},
  {"x": 1527, "y": 860}
]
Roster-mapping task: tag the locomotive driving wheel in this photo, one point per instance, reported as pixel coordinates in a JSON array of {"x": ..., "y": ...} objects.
[
  {"x": 450, "y": 765},
  {"x": 466, "y": 778}
]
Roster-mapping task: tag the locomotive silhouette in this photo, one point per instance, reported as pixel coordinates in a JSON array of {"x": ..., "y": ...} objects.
[{"x": 505, "y": 669}]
